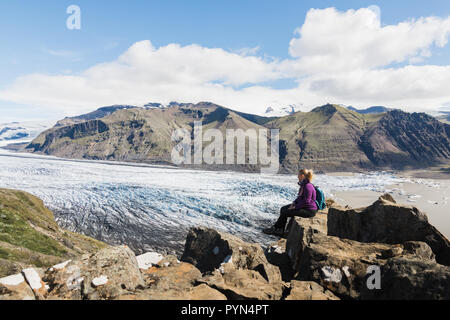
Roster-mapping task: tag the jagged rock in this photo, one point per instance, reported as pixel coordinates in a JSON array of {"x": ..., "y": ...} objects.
[
  {"x": 238, "y": 269},
  {"x": 276, "y": 255},
  {"x": 208, "y": 249},
  {"x": 243, "y": 284},
  {"x": 419, "y": 249},
  {"x": 148, "y": 259},
  {"x": 33, "y": 278},
  {"x": 309, "y": 290},
  {"x": 411, "y": 279},
  {"x": 15, "y": 287},
  {"x": 120, "y": 267},
  {"x": 388, "y": 222},
  {"x": 342, "y": 265},
  {"x": 339, "y": 265},
  {"x": 299, "y": 228},
  {"x": 171, "y": 279},
  {"x": 104, "y": 275},
  {"x": 64, "y": 281},
  {"x": 171, "y": 274}
]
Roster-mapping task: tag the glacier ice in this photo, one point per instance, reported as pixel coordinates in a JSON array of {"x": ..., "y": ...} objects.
[{"x": 151, "y": 208}]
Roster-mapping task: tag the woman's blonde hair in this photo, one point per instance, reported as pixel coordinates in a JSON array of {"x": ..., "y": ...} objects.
[{"x": 309, "y": 174}]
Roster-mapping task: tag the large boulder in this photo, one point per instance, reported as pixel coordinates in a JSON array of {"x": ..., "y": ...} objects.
[
  {"x": 106, "y": 274},
  {"x": 299, "y": 231},
  {"x": 339, "y": 265},
  {"x": 34, "y": 280},
  {"x": 345, "y": 267},
  {"x": 64, "y": 281},
  {"x": 14, "y": 287},
  {"x": 388, "y": 222},
  {"x": 208, "y": 250},
  {"x": 342, "y": 265},
  {"x": 411, "y": 279}
]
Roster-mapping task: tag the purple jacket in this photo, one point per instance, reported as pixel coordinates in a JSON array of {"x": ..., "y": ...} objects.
[{"x": 307, "y": 200}]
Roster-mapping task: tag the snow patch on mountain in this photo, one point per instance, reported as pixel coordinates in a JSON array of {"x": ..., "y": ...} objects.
[{"x": 282, "y": 111}]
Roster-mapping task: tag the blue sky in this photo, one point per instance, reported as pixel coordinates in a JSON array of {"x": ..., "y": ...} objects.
[{"x": 35, "y": 39}]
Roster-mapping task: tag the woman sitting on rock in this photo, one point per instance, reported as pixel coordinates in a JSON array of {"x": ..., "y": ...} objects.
[{"x": 304, "y": 206}]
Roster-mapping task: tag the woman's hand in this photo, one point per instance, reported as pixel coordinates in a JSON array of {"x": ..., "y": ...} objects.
[{"x": 292, "y": 206}]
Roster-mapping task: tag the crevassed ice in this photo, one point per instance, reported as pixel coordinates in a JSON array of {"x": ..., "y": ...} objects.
[{"x": 151, "y": 208}]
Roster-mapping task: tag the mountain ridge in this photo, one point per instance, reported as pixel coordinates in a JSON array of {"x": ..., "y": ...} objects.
[
  {"x": 373, "y": 109},
  {"x": 327, "y": 138}
]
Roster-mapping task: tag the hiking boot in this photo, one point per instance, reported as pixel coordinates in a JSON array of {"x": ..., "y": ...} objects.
[{"x": 274, "y": 231}]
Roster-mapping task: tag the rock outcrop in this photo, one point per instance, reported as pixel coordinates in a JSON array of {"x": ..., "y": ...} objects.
[
  {"x": 300, "y": 231},
  {"x": 104, "y": 275},
  {"x": 14, "y": 287},
  {"x": 388, "y": 222},
  {"x": 406, "y": 278},
  {"x": 209, "y": 249},
  {"x": 345, "y": 266},
  {"x": 238, "y": 269},
  {"x": 170, "y": 279}
]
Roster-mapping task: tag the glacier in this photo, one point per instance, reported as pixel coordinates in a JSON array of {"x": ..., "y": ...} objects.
[{"x": 151, "y": 208}]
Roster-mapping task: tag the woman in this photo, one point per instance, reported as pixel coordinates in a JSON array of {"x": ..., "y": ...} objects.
[{"x": 304, "y": 206}]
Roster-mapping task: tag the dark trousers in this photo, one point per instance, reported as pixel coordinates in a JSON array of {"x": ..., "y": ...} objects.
[{"x": 286, "y": 213}]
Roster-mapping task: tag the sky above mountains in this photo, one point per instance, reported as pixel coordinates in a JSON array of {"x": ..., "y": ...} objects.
[{"x": 247, "y": 55}]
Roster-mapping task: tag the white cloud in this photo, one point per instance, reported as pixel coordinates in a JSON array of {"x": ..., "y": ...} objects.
[
  {"x": 339, "y": 57},
  {"x": 411, "y": 87},
  {"x": 143, "y": 74},
  {"x": 334, "y": 41}
]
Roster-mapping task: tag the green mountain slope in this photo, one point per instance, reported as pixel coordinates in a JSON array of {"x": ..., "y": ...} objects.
[
  {"x": 136, "y": 134},
  {"x": 29, "y": 234},
  {"x": 328, "y": 138},
  {"x": 325, "y": 138}
]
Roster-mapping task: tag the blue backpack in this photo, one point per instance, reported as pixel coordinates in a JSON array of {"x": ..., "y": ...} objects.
[{"x": 320, "y": 199}]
